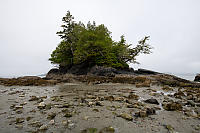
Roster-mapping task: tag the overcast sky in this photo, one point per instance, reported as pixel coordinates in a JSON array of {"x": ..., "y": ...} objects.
[{"x": 28, "y": 31}]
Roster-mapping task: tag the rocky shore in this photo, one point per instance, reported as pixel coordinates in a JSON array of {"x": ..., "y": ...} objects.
[{"x": 135, "y": 101}]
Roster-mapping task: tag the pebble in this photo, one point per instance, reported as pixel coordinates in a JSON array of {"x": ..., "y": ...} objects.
[
  {"x": 41, "y": 105},
  {"x": 126, "y": 116},
  {"x": 52, "y": 122},
  {"x": 43, "y": 127},
  {"x": 19, "y": 120},
  {"x": 51, "y": 115}
]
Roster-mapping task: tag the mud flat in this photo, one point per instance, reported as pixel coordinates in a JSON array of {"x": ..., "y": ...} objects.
[{"x": 99, "y": 108}]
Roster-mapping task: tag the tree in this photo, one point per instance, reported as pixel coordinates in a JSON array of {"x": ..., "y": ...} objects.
[
  {"x": 64, "y": 53},
  {"x": 93, "y": 44}
]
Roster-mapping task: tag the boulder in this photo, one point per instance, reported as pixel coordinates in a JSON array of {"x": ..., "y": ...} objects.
[
  {"x": 54, "y": 71},
  {"x": 172, "y": 106},
  {"x": 152, "y": 101},
  {"x": 197, "y": 78}
]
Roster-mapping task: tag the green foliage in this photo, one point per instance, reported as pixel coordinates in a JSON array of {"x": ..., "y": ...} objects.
[{"x": 93, "y": 44}]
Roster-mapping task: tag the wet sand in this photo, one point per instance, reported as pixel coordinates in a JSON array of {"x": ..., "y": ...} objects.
[{"x": 81, "y": 108}]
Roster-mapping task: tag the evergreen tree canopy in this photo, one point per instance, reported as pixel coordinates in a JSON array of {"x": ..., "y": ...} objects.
[{"x": 94, "y": 45}]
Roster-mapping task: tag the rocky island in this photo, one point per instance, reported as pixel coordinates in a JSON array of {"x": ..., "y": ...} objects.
[{"x": 93, "y": 90}]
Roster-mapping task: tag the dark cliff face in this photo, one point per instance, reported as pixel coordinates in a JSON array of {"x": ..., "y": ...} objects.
[{"x": 84, "y": 69}]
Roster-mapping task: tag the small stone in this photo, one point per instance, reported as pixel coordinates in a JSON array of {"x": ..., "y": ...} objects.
[
  {"x": 90, "y": 97},
  {"x": 91, "y": 103},
  {"x": 197, "y": 127},
  {"x": 33, "y": 98},
  {"x": 15, "y": 92},
  {"x": 39, "y": 100},
  {"x": 55, "y": 98},
  {"x": 64, "y": 122},
  {"x": 43, "y": 97},
  {"x": 19, "y": 111},
  {"x": 43, "y": 127},
  {"x": 41, "y": 105},
  {"x": 191, "y": 113},
  {"x": 52, "y": 122},
  {"x": 190, "y": 97},
  {"x": 130, "y": 106},
  {"x": 96, "y": 110},
  {"x": 119, "y": 99},
  {"x": 35, "y": 124},
  {"x": 151, "y": 111},
  {"x": 24, "y": 103},
  {"x": 109, "y": 98},
  {"x": 197, "y": 99},
  {"x": 190, "y": 102},
  {"x": 51, "y": 115},
  {"x": 12, "y": 106},
  {"x": 18, "y": 107},
  {"x": 167, "y": 88},
  {"x": 65, "y": 105},
  {"x": 170, "y": 128},
  {"x": 126, "y": 116},
  {"x": 33, "y": 111},
  {"x": 19, "y": 126},
  {"x": 89, "y": 130},
  {"x": 22, "y": 95},
  {"x": 29, "y": 118},
  {"x": 86, "y": 118},
  {"x": 70, "y": 124},
  {"x": 133, "y": 96},
  {"x": 107, "y": 130},
  {"x": 179, "y": 94},
  {"x": 198, "y": 104},
  {"x": 65, "y": 110},
  {"x": 19, "y": 120},
  {"x": 48, "y": 106},
  {"x": 98, "y": 103},
  {"x": 68, "y": 114},
  {"x": 143, "y": 114},
  {"x": 2, "y": 113}
]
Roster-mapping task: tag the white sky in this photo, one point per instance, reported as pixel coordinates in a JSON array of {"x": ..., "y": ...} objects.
[{"x": 28, "y": 31}]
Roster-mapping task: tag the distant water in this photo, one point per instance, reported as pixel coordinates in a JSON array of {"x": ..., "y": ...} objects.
[
  {"x": 188, "y": 76},
  {"x": 41, "y": 76}
]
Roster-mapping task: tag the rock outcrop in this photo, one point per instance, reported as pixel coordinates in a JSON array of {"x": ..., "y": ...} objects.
[
  {"x": 84, "y": 69},
  {"x": 26, "y": 81},
  {"x": 197, "y": 78}
]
